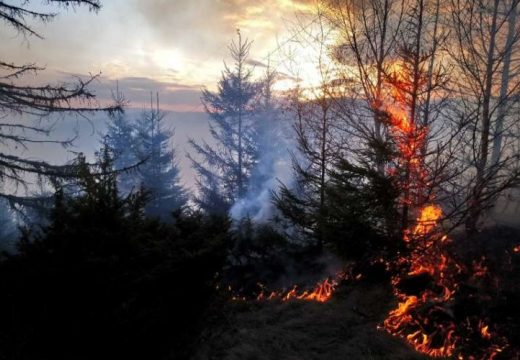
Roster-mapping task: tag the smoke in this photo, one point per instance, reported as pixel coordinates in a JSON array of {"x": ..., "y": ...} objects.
[{"x": 273, "y": 167}]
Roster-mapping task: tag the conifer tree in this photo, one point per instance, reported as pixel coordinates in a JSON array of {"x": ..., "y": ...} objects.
[
  {"x": 120, "y": 138},
  {"x": 304, "y": 202},
  {"x": 159, "y": 173},
  {"x": 224, "y": 169}
]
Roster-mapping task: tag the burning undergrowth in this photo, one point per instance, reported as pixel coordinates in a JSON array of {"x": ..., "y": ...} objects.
[
  {"x": 450, "y": 305},
  {"x": 265, "y": 266},
  {"x": 453, "y": 300}
]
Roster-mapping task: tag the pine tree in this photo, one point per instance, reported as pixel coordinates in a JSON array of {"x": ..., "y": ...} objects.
[
  {"x": 120, "y": 139},
  {"x": 270, "y": 129},
  {"x": 224, "y": 169},
  {"x": 304, "y": 202},
  {"x": 159, "y": 173}
]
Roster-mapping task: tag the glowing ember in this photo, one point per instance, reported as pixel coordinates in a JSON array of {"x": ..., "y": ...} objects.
[
  {"x": 484, "y": 331},
  {"x": 479, "y": 268}
]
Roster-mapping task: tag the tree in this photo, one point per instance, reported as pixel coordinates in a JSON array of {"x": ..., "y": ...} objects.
[
  {"x": 225, "y": 168},
  {"x": 367, "y": 36},
  {"x": 99, "y": 243},
  {"x": 485, "y": 35},
  {"x": 120, "y": 138},
  {"x": 272, "y": 131},
  {"x": 416, "y": 85},
  {"x": 304, "y": 203},
  {"x": 22, "y": 101},
  {"x": 159, "y": 173}
]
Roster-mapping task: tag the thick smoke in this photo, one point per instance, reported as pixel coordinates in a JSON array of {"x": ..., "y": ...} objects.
[{"x": 274, "y": 167}]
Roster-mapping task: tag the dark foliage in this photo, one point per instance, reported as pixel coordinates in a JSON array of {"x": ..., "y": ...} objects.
[
  {"x": 102, "y": 281},
  {"x": 359, "y": 215},
  {"x": 360, "y": 210},
  {"x": 259, "y": 254}
]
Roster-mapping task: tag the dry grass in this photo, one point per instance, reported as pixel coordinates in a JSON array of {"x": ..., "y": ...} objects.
[{"x": 344, "y": 328}]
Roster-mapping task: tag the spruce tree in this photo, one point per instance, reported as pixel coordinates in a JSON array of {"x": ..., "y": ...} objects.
[
  {"x": 158, "y": 174},
  {"x": 120, "y": 138},
  {"x": 224, "y": 169}
]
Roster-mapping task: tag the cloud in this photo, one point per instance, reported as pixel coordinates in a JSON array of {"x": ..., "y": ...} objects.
[
  {"x": 176, "y": 97},
  {"x": 199, "y": 27},
  {"x": 206, "y": 26}
]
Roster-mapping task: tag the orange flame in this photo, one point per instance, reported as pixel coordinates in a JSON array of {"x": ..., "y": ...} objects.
[
  {"x": 321, "y": 293},
  {"x": 426, "y": 222},
  {"x": 484, "y": 331},
  {"x": 407, "y": 320}
]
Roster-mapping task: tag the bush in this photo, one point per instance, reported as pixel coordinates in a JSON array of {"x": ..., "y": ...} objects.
[{"x": 102, "y": 281}]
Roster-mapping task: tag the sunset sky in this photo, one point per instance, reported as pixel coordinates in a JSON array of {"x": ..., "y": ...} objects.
[{"x": 175, "y": 47}]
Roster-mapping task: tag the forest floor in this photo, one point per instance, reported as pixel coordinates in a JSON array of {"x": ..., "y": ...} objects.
[{"x": 343, "y": 328}]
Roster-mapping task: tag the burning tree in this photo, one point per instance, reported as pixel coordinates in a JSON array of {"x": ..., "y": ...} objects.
[{"x": 419, "y": 148}]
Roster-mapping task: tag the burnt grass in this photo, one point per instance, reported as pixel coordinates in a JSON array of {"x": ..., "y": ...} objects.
[
  {"x": 345, "y": 327},
  {"x": 490, "y": 291}
]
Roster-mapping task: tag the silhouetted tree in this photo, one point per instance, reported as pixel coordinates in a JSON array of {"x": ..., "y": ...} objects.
[
  {"x": 121, "y": 139},
  {"x": 224, "y": 169},
  {"x": 158, "y": 175},
  {"x": 485, "y": 34},
  {"x": 7, "y": 226},
  {"x": 21, "y": 102},
  {"x": 101, "y": 280}
]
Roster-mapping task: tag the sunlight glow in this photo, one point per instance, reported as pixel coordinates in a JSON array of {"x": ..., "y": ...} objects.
[{"x": 169, "y": 59}]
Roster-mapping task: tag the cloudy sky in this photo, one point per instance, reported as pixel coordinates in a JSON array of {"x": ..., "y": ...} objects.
[{"x": 175, "y": 47}]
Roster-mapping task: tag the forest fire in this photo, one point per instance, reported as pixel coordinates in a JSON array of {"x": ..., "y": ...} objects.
[
  {"x": 427, "y": 277},
  {"x": 321, "y": 293},
  {"x": 420, "y": 319},
  {"x": 426, "y": 282}
]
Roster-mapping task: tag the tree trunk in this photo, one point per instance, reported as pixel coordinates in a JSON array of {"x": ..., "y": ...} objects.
[
  {"x": 413, "y": 113},
  {"x": 475, "y": 205},
  {"x": 503, "y": 103},
  {"x": 240, "y": 179},
  {"x": 323, "y": 171},
  {"x": 379, "y": 85}
]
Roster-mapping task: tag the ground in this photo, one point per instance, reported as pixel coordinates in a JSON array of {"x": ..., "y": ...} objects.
[{"x": 343, "y": 328}]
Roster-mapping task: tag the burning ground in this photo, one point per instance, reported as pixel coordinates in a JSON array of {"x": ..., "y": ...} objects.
[
  {"x": 433, "y": 301},
  {"x": 345, "y": 327}
]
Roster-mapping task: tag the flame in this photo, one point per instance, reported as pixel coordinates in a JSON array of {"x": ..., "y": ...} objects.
[
  {"x": 516, "y": 249},
  {"x": 426, "y": 222},
  {"x": 484, "y": 331},
  {"x": 321, "y": 293},
  {"x": 408, "y": 320}
]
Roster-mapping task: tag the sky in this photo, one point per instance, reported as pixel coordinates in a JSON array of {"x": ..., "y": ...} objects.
[{"x": 175, "y": 47}]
